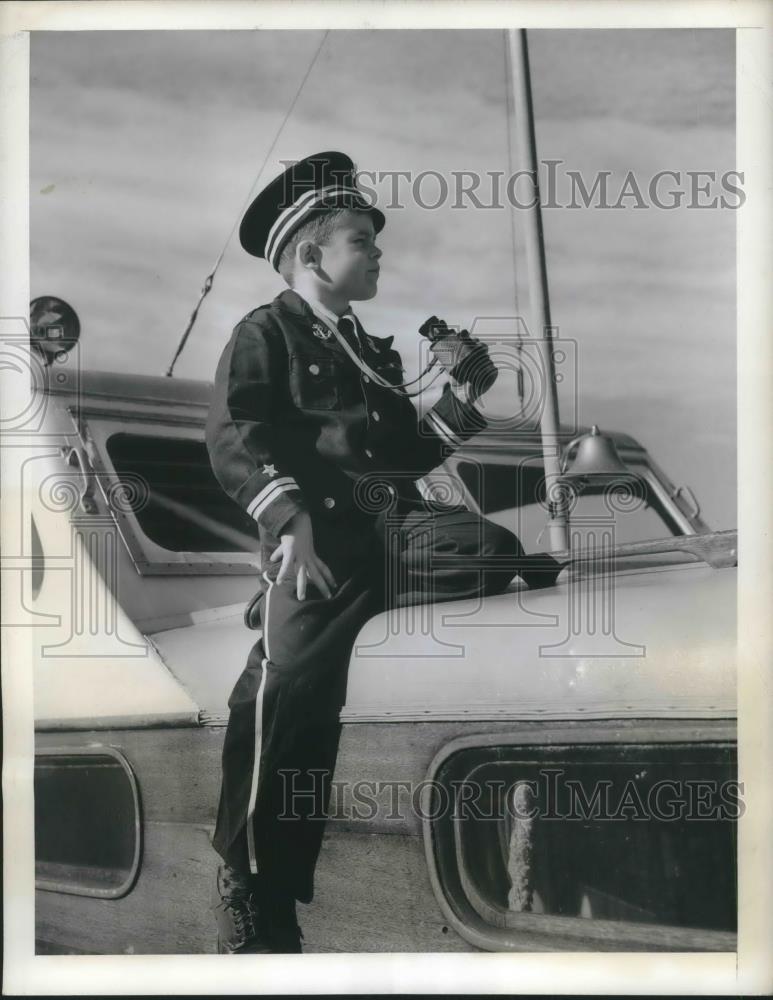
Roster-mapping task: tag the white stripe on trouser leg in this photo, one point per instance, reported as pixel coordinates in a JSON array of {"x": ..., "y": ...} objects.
[{"x": 258, "y": 740}]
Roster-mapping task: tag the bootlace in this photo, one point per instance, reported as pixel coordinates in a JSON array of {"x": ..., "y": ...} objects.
[
  {"x": 240, "y": 902},
  {"x": 245, "y": 917},
  {"x": 246, "y": 910}
]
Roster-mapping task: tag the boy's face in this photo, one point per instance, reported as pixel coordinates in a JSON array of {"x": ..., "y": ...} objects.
[{"x": 350, "y": 258}]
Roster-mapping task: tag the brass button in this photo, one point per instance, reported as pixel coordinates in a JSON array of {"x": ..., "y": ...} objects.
[
  {"x": 376, "y": 415},
  {"x": 314, "y": 369},
  {"x": 365, "y": 378},
  {"x": 329, "y": 502}
]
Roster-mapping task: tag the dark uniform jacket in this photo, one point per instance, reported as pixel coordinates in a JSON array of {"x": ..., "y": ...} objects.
[{"x": 295, "y": 425}]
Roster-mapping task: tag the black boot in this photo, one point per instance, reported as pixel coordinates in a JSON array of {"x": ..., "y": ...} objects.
[
  {"x": 286, "y": 934},
  {"x": 250, "y": 918},
  {"x": 242, "y": 922},
  {"x": 540, "y": 570}
]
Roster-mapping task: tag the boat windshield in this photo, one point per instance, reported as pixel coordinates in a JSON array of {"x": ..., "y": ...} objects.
[
  {"x": 593, "y": 516},
  {"x": 512, "y": 493}
]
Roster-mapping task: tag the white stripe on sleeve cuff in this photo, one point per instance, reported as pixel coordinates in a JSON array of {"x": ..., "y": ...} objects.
[
  {"x": 270, "y": 493},
  {"x": 443, "y": 430}
]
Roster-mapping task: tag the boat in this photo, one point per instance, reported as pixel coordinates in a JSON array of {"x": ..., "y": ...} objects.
[{"x": 543, "y": 770}]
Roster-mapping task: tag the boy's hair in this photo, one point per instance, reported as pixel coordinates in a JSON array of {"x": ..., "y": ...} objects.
[{"x": 319, "y": 228}]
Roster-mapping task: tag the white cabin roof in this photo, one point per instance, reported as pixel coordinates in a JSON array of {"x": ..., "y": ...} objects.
[{"x": 522, "y": 655}]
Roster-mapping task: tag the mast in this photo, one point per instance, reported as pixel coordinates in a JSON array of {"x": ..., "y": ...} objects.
[{"x": 525, "y": 153}]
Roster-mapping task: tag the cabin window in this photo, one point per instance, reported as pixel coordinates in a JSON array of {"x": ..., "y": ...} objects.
[
  {"x": 185, "y": 509},
  {"x": 170, "y": 511},
  {"x": 610, "y": 843},
  {"x": 87, "y": 822},
  {"x": 510, "y": 495}
]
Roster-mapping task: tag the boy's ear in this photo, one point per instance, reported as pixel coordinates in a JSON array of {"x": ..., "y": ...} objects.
[{"x": 308, "y": 254}]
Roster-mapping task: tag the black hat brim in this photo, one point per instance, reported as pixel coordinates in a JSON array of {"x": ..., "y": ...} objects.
[{"x": 317, "y": 171}]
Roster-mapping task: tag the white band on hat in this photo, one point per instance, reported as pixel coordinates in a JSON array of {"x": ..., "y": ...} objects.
[{"x": 294, "y": 214}]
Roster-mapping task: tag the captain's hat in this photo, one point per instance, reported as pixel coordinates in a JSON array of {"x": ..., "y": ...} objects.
[{"x": 325, "y": 180}]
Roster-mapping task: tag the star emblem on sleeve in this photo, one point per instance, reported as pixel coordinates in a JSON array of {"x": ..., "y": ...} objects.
[{"x": 268, "y": 470}]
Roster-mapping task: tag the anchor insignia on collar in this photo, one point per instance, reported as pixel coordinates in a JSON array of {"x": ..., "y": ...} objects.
[{"x": 320, "y": 331}]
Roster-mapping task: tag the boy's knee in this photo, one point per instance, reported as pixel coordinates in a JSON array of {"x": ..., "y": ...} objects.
[{"x": 498, "y": 540}]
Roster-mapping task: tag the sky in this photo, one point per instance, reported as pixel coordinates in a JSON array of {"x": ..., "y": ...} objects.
[{"x": 146, "y": 146}]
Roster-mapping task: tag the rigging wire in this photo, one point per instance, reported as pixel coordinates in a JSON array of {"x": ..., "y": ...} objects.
[
  {"x": 509, "y": 113},
  {"x": 207, "y": 287}
]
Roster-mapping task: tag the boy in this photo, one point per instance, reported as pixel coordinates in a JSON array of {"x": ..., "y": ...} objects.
[{"x": 310, "y": 432}]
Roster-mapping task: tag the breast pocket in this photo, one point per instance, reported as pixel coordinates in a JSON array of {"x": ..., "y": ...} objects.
[
  {"x": 315, "y": 383},
  {"x": 390, "y": 368}
]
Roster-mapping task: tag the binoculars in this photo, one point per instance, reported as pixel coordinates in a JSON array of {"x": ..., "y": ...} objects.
[{"x": 471, "y": 355}]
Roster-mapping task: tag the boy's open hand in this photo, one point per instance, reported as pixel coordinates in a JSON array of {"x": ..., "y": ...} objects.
[{"x": 296, "y": 549}]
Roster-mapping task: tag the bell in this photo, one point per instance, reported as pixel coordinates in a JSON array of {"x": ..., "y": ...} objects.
[{"x": 596, "y": 462}]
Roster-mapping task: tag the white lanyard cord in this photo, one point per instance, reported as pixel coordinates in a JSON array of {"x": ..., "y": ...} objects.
[{"x": 379, "y": 379}]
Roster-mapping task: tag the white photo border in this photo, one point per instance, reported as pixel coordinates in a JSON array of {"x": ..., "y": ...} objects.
[{"x": 748, "y": 972}]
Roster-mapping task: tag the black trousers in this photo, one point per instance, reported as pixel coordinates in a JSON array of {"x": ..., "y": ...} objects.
[{"x": 283, "y": 729}]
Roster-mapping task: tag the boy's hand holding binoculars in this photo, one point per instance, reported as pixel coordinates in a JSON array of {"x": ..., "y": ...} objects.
[{"x": 465, "y": 358}]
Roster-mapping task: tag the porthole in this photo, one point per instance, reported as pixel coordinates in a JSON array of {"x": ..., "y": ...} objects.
[
  {"x": 592, "y": 843},
  {"x": 87, "y": 822}
]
